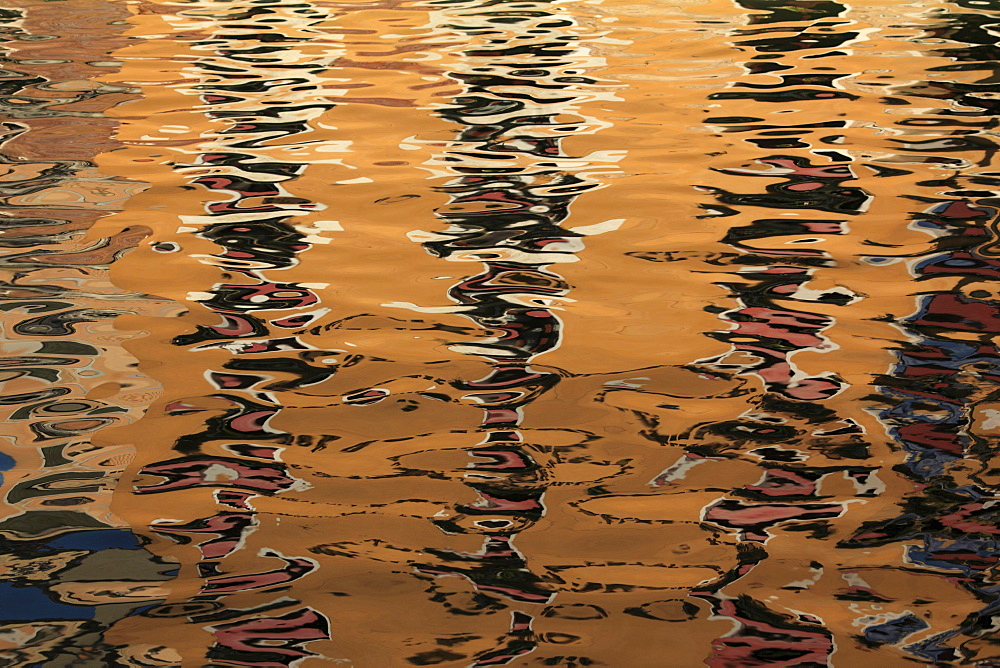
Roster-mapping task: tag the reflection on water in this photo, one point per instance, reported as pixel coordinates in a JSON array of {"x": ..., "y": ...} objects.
[{"x": 488, "y": 332}]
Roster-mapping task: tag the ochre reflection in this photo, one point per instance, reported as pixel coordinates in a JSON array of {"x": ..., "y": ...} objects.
[{"x": 534, "y": 333}]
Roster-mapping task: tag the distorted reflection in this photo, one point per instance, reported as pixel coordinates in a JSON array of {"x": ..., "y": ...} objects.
[{"x": 499, "y": 332}]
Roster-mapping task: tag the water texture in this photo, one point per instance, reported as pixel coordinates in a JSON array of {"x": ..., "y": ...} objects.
[{"x": 480, "y": 333}]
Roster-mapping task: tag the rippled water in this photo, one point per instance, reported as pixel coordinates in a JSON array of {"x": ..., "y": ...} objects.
[{"x": 486, "y": 332}]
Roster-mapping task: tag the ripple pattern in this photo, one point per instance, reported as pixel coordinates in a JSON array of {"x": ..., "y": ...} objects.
[{"x": 499, "y": 333}]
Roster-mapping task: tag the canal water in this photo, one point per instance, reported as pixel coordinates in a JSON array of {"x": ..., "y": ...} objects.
[{"x": 468, "y": 333}]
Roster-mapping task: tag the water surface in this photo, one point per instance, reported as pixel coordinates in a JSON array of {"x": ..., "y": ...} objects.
[{"x": 478, "y": 333}]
